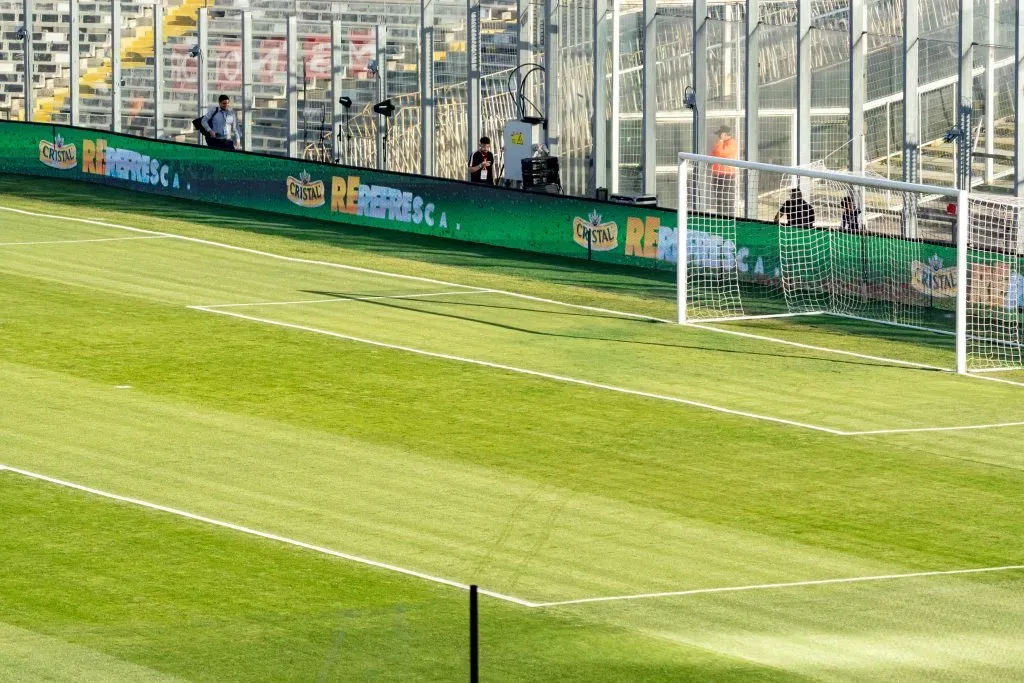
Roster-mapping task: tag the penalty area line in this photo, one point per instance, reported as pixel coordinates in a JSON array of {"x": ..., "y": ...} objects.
[
  {"x": 787, "y": 584},
  {"x": 343, "y": 299},
  {"x": 262, "y": 534},
  {"x": 524, "y": 371}
]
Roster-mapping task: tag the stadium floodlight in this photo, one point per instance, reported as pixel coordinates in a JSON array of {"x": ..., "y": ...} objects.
[{"x": 853, "y": 246}]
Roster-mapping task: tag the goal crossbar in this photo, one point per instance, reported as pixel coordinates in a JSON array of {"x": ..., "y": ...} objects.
[{"x": 821, "y": 174}]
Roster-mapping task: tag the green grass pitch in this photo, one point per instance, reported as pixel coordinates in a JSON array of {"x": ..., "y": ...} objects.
[{"x": 464, "y": 422}]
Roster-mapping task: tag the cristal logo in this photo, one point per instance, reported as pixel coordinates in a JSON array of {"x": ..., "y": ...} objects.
[
  {"x": 56, "y": 155},
  {"x": 304, "y": 192},
  {"x": 594, "y": 234},
  {"x": 932, "y": 279}
]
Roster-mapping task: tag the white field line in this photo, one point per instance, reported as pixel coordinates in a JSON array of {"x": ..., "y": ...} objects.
[
  {"x": 461, "y": 586},
  {"x": 911, "y": 430},
  {"x": 293, "y": 259},
  {"x": 995, "y": 379},
  {"x": 264, "y": 535},
  {"x": 789, "y": 584},
  {"x": 416, "y": 278},
  {"x": 598, "y": 385},
  {"x": 329, "y": 264},
  {"x": 462, "y": 292},
  {"x": 523, "y": 371},
  {"x": 104, "y": 239},
  {"x": 737, "y": 318},
  {"x": 811, "y": 347}
]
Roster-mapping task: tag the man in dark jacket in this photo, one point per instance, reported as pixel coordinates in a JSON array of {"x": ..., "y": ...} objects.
[{"x": 481, "y": 166}]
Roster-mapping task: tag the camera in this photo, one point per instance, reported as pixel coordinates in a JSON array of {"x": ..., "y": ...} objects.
[
  {"x": 21, "y": 33},
  {"x": 195, "y": 52}
]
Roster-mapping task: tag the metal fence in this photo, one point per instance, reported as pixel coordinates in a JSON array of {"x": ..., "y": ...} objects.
[{"x": 916, "y": 90}]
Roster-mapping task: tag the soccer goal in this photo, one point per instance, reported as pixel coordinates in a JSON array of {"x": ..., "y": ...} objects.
[{"x": 759, "y": 240}]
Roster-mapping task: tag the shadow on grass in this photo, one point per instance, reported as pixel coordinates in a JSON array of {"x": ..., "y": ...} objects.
[{"x": 422, "y": 306}]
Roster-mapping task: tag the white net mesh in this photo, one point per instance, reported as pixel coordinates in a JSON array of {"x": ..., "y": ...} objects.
[
  {"x": 844, "y": 249},
  {"x": 769, "y": 242},
  {"x": 995, "y": 288},
  {"x": 713, "y": 287}
]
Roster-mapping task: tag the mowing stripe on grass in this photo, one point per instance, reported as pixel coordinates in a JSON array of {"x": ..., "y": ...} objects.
[
  {"x": 526, "y": 297},
  {"x": 102, "y": 239},
  {"x": 493, "y": 594},
  {"x": 523, "y": 371},
  {"x": 329, "y": 264},
  {"x": 597, "y": 385},
  {"x": 262, "y": 534},
  {"x": 341, "y": 299},
  {"x": 789, "y": 584}
]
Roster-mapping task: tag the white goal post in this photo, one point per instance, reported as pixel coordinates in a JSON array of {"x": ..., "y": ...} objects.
[{"x": 762, "y": 240}]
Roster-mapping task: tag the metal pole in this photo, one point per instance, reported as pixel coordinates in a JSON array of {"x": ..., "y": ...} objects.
[
  {"x": 474, "y": 636},
  {"x": 700, "y": 74},
  {"x": 1018, "y": 98},
  {"x": 382, "y": 93},
  {"x": 427, "y": 103},
  {"x": 158, "y": 69},
  {"x": 552, "y": 52},
  {"x": 682, "y": 235},
  {"x": 752, "y": 123},
  {"x": 990, "y": 97},
  {"x": 962, "y": 245},
  {"x": 293, "y": 58},
  {"x": 203, "y": 94},
  {"x": 248, "y": 100},
  {"x": 803, "y": 82},
  {"x": 965, "y": 94},
  {"x": 613, "y": 185},
  {"x": 911, "y": 95},
  {"x": 115, "y": 62},
  {"x": 30, "y": 99},
  {"x": 858, "y": 82},
  {"x": 650, "y": 100},
  {"x": 74, "y": 50},
  {"x": 911, "y": 109},
  {"x": 599, "y": 116},
  {"x": 337, "y": 71},
  {"x": 472, "y": 77},
  {"x": 526, "y": 56}
]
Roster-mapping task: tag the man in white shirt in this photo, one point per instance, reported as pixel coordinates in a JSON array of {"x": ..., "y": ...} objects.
[{"x": 220, "y": 126}]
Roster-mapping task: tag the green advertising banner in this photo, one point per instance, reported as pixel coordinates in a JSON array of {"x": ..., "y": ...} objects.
[
  {"x": 542, "y": 223},
  {"x": 410, "y": 203}
]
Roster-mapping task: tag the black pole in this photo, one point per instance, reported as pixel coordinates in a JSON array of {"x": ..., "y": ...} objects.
[{"x": 474, "y": 639}]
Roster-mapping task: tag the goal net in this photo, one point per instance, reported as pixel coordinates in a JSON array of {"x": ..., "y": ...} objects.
[
  {"x": 760, "y": 240},
  {"x": 994, "y": 288}
]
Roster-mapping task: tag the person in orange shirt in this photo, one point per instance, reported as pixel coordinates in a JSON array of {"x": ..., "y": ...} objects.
[{"x": 723, "y": 176}]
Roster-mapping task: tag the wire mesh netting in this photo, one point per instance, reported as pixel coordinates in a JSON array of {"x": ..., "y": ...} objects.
[
  {"x": 995, "y": 286},
  {"x": 842, "y": 246}
]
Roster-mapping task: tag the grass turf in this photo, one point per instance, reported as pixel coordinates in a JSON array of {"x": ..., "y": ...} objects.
[{"x": 544, "y": 490}]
